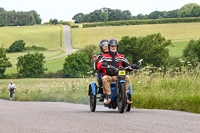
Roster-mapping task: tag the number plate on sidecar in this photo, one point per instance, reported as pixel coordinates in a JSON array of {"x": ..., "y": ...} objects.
[{"x": 122, "y": 72}]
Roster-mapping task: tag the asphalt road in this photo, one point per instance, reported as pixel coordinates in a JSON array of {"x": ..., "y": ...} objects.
[
  {"x": 67, "y": 43},
  {"x": 52, "y": 117}
]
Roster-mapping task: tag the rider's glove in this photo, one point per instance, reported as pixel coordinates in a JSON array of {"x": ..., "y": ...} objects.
[
  {"x": 104, "y": 64},
  {"x": 134, "y": 66}
]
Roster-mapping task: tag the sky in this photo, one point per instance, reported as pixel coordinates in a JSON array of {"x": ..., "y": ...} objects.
[{"x": 66, "y": 9}]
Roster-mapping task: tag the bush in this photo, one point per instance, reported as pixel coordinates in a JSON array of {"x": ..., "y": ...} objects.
[
  {"x": 76, "y": 65},
  {"x": 31, "y": 65},
  {"x": 58, "y": 74},
  {"x": 74, "y": 26},
  {"x": 35, "y": 48},
  {"x": 66, "y": 23},
  {"x": 17, "y": 46},
  {"x": 192, "y": 52},
  {"x": 140, "y": 22},
  {"x": 4, "y": 63}
]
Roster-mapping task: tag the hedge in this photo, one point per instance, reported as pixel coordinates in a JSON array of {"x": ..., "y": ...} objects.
[{"x": 140, "y": 22}]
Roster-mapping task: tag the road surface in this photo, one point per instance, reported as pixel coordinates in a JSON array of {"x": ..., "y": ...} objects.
[
  {"x": 58, "y": 117},
  {"x": 67, "y": 43}
]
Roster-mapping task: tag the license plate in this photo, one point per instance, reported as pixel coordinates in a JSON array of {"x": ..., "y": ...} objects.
[{"x": 122, "y": 72}]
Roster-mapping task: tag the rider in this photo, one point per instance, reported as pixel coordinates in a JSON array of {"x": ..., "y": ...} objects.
[
  {"x": 109, "y": 74},
  {"x": 11, "y": 87},
  {"x": 103, "y": 45}
]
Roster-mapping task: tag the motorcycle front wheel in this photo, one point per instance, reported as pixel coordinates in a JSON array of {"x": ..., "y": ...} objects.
[{"x": 121, "y": 97}]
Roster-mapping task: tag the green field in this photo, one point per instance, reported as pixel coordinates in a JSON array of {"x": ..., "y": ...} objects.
[
  {"x": 179, "y": 33},
  {"x": 47, "y": 36},
  {"x": 52, "y": 65}
]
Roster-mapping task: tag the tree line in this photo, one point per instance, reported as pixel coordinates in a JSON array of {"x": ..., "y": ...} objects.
[
  {"x": 20, "y": 18},
  {"x": 107, "y": 14}
]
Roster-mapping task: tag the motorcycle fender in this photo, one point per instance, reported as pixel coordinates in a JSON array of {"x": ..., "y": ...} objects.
[
  {"x": 122, "y": 81},
  {"x": 130, "y": 88},
  {"x": 94, "y": 88}
]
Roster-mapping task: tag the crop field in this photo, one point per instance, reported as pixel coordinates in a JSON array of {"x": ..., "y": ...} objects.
[
  {"x": 47, "y": 36},
  {"x": 179, "y": 33}
]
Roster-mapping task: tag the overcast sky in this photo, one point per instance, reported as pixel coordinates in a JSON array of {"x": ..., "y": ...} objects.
[{"x": 66, "y": 9}]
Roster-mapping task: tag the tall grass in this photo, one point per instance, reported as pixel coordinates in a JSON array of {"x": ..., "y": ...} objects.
[
  {"x": 65, "y": 90},
  {"x": 178, "y": 90}
]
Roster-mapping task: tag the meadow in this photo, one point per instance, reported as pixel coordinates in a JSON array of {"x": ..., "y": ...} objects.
[
  {"x": 48, "y": 36},
  {"x": 178, "y": 91},
  {"x": 179, "y": 34}
]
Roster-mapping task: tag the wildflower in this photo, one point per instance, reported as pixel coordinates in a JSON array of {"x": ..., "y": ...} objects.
[{"x": 189, "y": 64}]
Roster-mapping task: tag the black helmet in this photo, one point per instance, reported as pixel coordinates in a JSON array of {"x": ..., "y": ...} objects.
[
  {"x": 103, "y": 43},
  {"x": 113, "y": 42}
]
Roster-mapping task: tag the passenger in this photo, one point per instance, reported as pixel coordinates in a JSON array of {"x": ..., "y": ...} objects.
[{"x": 103, "y": 45}]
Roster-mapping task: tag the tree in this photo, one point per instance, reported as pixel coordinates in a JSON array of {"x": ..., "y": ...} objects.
[
  {"x": 53, "y": 21},
  {"x": 4, "y": 63},
  {"x": 126, "y": 15},
  {"x": 157, "y": 15},
  {"x": 17, "y": 46},
  {"x": 76, "y": 65},
  {"x": 78, "y": 17},
  {"x": 31, "y": 65},
  {"x": 89, "y": 51},
  {"x": 191, "y": 53},
  {"x": 195, "y": 11},
  {"x": 141, "y": 16},
  {"x": 172, "y": 14},
  {"x": 186, "y": 10},
  {"x": 151, "y": 48}
]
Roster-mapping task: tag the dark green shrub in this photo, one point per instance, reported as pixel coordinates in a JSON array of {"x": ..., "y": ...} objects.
[
  {"x": 192, "y": 52},
  {"x": 34, "y": 48},
  {"x": 74, "y": 26},
  {"x": 76, "y": 65},
  {"x": 17, "y": 46},
  {"x": 4, "y": 63},
  {"x": 31, "y": 65}
]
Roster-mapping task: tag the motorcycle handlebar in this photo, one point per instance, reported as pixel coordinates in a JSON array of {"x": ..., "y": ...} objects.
[{"x": 129, "y": 67}]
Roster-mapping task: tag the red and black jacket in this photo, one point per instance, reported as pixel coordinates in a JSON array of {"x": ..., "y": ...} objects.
[{"x": 113, "y": 59}]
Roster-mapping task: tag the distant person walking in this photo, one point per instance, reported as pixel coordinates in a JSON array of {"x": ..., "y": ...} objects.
[{"x": 11, "y": 87}]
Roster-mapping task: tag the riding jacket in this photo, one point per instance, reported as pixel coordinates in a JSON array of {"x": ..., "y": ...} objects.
[{"x": 114, "y": 59}]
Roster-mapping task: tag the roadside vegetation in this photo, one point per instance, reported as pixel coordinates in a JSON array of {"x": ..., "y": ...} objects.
[{"x": 178, "y": 91}]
